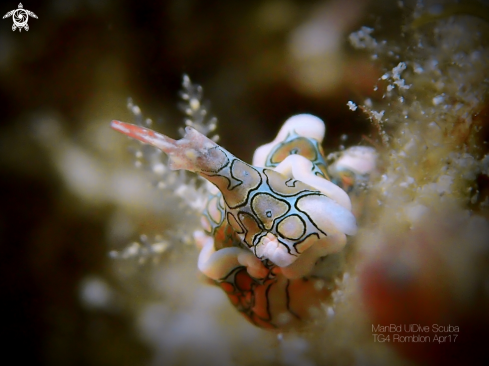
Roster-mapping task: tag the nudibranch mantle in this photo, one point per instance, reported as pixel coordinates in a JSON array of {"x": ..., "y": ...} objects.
[{"x": 277, "y": 214}]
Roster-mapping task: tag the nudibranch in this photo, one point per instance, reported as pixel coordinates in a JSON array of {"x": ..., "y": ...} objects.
[{"x": 265, "y": 225}]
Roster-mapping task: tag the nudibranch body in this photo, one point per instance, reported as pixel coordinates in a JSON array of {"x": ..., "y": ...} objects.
[
  {"x": 353, "y": 167},
  {"x": 300, "y": 135},
  {"x": 267, "y": 224}
]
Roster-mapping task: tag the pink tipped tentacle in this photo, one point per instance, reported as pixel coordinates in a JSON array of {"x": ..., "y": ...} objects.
[{"x": 194, "y": 152}]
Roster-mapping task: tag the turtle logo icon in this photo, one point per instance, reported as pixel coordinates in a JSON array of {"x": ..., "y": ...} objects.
[{"x": 20, "y": 17}]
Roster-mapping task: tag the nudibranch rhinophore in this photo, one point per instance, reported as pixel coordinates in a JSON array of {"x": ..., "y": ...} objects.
[{"x": 265, "y": 225}]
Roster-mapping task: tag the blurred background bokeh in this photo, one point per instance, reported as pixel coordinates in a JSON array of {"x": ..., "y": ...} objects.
[{"x": 69, "y": 190}]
